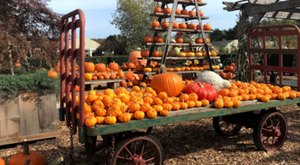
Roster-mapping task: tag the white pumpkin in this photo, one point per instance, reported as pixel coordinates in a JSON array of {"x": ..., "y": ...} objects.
[{"x": 214, "y": 79}]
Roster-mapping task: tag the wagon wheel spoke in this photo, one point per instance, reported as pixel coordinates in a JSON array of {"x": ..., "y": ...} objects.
[
  {"x": 150, "y": 159},
  {"x": 266, "y": 129},
  {"x": 129, "y": 151},
  {"x": 143, "y": 147},
  {"x": 124, "y": 158}
]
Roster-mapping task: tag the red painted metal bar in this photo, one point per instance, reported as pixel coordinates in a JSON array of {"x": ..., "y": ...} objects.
[
  {"x": 70, "y": 54},
  {"x": 278, "y": 31}
]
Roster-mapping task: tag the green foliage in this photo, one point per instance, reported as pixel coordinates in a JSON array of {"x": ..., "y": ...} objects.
[
  {"x": 107, "y": 59},
  {"x": 37, "y": 81},
  {"x": 132, "y": 19},
  {"x": 219, "y": 35},
  {"x": 113, "y": 43}
]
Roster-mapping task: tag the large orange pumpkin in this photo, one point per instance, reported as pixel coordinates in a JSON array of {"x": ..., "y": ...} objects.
[
  {"x": 133, "y": 57},
  {"x": 171, "y": 83},
  {"x": 36, "y": 158},
  {"x": 101, "y": 67},
  {"x": 89, "y": 67},
  {"x": 114, "y": 66}
]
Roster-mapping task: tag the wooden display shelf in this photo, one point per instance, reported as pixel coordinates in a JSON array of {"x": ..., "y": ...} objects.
[
  {"x": 178, "y": 16},
  {"x": 182, "y": 30},
  {"x": 111, "y": 83},
  {"x": 179, "y": 58}
]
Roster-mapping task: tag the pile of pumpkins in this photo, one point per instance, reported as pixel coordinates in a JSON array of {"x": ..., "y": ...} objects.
[
  {"x": 228, "y": 71},
  {"x": 100, "y": 71},
  {"x": 166, "y": 93},
  {"x": 243, "y": 91}
]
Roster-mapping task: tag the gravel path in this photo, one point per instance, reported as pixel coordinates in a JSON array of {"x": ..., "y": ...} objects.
[{"x": 187, "y": 144}]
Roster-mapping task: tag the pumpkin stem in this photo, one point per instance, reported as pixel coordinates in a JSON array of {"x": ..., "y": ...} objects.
[{"x": 26, "y": 147}]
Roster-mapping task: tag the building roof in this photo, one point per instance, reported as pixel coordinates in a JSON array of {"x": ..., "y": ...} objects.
[
  {"x": 284, "y": 9},
  {"x": 89, "y": 44}
]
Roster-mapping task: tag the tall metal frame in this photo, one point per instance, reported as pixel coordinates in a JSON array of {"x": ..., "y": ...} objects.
[
  {"x": 277, "y": 32},
  {"x": 70, "y": 54}
]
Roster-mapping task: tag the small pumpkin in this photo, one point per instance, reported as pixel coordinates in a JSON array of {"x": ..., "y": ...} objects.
[
  {"x": 114, "y": 66},
  {"x": 139, "y": 115},
  {"x": 35, "y": 157},
  {"x": 52, "y": 74},
  {"x": 152, "y": 113},
  {"x": 90, "y": 121},
  {"x": 125, "y": 117},
  {"x": 155, "y": 24},
  {"x": 170, "y": 83},
  {"x": 164, "y": 113},
  {"x": 110, "y": 120},
  {"x": 202, "y": 89}
]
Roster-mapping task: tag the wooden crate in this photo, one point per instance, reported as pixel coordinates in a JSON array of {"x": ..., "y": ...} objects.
[{"x": 28, "y": 116}]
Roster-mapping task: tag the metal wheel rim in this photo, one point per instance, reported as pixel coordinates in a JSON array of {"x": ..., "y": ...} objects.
[
  {"x": 140, "y": 150},
  {"x": 272, "y": 132}
]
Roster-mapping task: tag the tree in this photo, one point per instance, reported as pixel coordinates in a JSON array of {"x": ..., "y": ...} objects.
[
  {"x": 113, "y": 43},
  {"x": 27, "y": 26},
  {"x": 217, "y": 35},
  {"x": 133, "y": 20}
]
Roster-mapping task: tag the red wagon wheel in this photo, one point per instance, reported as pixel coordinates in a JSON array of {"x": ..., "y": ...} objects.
[
  {"x": 225, "y": 128},
  {"x": 271, "y": 132},
  {"x": 140, "y": 150}
]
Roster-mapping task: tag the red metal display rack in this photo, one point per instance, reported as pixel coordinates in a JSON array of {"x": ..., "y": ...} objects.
[
  {"x": 72, "y": 24},
  {"x": 271, "y": 44}
]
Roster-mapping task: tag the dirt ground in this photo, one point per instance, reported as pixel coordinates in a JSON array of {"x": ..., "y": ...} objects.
[{"x": 188, "y": 143}]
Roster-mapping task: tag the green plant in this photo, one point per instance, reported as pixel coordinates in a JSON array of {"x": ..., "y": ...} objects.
[{"x": 37, "y": 81}]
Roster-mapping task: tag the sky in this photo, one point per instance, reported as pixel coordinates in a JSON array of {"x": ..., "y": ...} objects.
[{"x": 98, "y": 14}]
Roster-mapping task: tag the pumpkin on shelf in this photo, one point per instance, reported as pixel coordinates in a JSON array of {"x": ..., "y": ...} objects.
[
  {"x": 100, "y": 67},
  {"x": 33, "y": 157},
  {"x": 89, "y": 67},
  {"x": 114, "y": 66},
  {"x": 171, "y": 83}
]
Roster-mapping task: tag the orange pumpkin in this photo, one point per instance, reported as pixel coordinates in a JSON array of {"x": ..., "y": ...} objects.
[
  {"x": 164, "y": 113},
  {"x": 36, "y": 158},
  {"x": 110, "y": 120},
  {"x": 100, "y": 119},
  {"x": 101, "y": 67},
  {"x": 148, "y": 39},
  {"x": 125, "y": 117},
  {"x": 90, "y": 121},
  {"x": 151, "y": 113},
  {"x": 114, "y": 66},
  {"x": 170, "y": 83},
  {"x": 134, "y": 55},
  {"x": 2, "y": 161},
  {"x": 52, "y": 74},
  {"x": 89, "y": 67},
  {"x": 155, "y": 24},
  {"x": 139, "y": 115}
]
